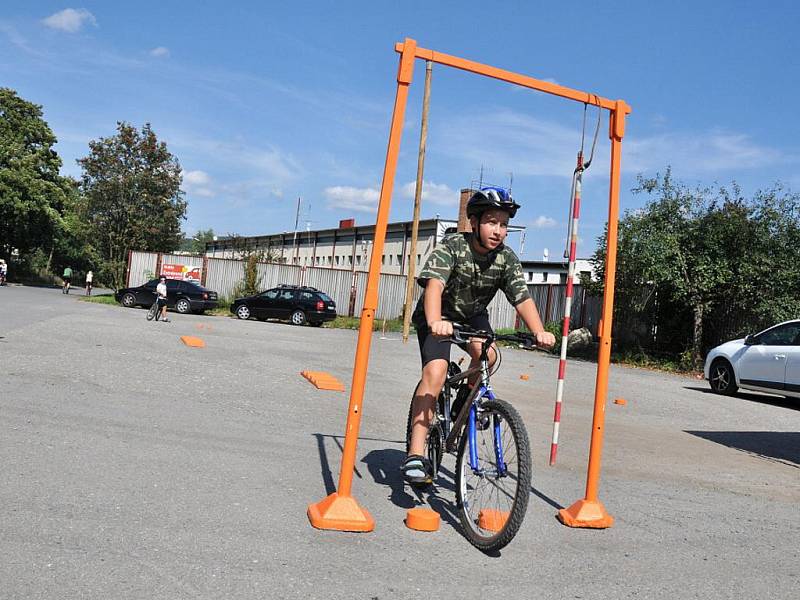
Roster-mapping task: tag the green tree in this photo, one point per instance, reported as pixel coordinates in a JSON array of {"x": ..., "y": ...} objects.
[
  {"x": 33, "y": 194},
  {"x": 132, "y": 197},
  {"x": 691, "y": 256},
  {"x": 197, "y": 242}
]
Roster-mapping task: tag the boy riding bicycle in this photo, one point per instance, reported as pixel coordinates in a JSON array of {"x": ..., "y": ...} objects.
[{"x": 461, "y": 277}]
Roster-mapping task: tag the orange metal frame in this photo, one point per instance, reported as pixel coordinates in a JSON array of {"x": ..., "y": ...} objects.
[{"x": 339, "y": 510}]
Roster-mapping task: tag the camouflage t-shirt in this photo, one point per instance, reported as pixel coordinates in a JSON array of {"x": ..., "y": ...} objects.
[{"x": 470, "y": 280}]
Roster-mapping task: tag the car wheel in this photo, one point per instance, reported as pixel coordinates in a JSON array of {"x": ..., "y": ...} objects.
[
  {"x": 298, "y": 317},
  {"x": 183, "y": 306},
  {"x": 243, "y": 312},
  {"x": 129, "y": 301},
  {"x": 721, "y": 377}
]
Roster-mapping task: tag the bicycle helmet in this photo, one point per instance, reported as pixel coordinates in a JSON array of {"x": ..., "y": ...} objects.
[{"x": 491, "y": 197}]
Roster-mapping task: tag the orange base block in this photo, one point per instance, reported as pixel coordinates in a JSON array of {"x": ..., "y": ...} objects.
[
  {"x": 586, "y": 513},
  {"x": 492, "y": 519},
  {"x": 422, "y": 519},
  {"x": 341, "y": 513}
]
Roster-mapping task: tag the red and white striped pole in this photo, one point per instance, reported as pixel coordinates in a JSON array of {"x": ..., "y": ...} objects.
[{"x": 562, "y": 363}]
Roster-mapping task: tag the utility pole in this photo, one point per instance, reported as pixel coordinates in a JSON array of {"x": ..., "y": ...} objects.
[
  {"x": 295, "y": 249},
  {"x": 412, "y": 260}
]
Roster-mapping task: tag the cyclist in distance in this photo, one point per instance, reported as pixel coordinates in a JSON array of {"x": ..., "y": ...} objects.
[
  {"x": 161, "y": 296},
  {"x": 461, "y": 277},
  {"x": 67, "y": 277}
]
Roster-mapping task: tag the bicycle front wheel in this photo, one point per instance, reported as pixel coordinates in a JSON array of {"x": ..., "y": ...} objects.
[
  {"x": 493, "y": 498},
  {"x": 153, "y": 312}
]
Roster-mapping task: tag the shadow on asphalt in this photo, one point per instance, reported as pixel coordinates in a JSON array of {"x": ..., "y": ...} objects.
[
  {"x": 778, "y": 446},
  {"x": 325, "y": 465},
  {"x": 790, "y": 403}
]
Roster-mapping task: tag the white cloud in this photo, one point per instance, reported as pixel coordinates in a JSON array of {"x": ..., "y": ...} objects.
[
  {"x": 196, "y": 178},
  {"x": 360, "y": 199},
  {"x": 198, "y": 183},
  {"x": 528, "y": 146},
  {"x": 543, "y": 222},
  {"x": 160, "y": 52},
  {"x": 436, "y": 193},
  {"x": 704, "y": 152},
  {"x": 70, "y": 20},
  {"x": 512, "y": 142}
]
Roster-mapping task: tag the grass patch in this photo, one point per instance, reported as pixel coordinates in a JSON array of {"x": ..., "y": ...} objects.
[
  {"x": 100, "y": 299},
  {"x": 392, "y": 325}
]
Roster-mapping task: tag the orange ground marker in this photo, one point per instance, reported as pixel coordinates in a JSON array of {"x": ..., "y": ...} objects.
[
  {"x": 193, "y": 342},
  {"x": 323, "y": 381},
  {"x": 492, "y": 519},
  {"x": 524, "y": 377},
  {"x": 422, "y": 519},
  {"x": 620, "y": 401}
]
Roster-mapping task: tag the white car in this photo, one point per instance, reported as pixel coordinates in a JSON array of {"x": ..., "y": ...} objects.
[{"x": 766, "y": 362}]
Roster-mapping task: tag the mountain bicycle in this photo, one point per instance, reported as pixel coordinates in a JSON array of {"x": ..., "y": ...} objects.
[
  {"x": 154, "y": 312},
  {"x": 490, "y": 442}
]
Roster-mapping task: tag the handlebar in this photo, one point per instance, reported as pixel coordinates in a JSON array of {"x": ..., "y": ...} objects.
[{"x": 462, "y": 334}]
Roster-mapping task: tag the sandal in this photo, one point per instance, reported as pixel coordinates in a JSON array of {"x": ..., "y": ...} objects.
[{"x": 417, "y": 469}]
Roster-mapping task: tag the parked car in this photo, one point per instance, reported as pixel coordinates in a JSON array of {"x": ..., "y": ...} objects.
[
  {"x": 298, "y": 304},
  {"x": 183, "y": 296},
  {"x": 766, "y": 362}
]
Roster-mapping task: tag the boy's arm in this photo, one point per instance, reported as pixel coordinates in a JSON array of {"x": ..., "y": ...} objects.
[
  {"x": 432, "y": 301},
  {"x": 530, "y": 316}
]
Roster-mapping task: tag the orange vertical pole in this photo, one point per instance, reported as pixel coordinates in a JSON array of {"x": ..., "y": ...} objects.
[
  {"x": 339, "y": 510},
  {"x": 590, "y": 512}
]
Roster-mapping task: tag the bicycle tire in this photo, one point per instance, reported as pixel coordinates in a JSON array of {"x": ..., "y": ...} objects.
[
  {"x": 434, "y": 442},
  {"x": 153, "y": 312},
  {"x": 476, "y": 493}
]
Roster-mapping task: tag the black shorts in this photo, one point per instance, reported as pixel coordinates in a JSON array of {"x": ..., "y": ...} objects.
[
  {"x": 433, "y": 348},
  {"x": 161, "y": 302},
  {"x": 67, "y": 280}
]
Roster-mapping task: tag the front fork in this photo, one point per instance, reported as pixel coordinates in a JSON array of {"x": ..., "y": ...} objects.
[{"x": 472, "y": 436}]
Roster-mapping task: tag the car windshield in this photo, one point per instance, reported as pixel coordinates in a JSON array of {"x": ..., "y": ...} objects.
[{"x": 325, "y": 297}]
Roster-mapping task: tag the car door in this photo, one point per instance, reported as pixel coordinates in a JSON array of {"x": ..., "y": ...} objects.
[
  {"x": 263, "y": 305},
  {"x": 173, "y": 287},
  {"x": 763, "y": 364},
  {"x": 285, "y": 303},
  {"x": 792, "y": 381},
  {"x": 146, "y": 294}
]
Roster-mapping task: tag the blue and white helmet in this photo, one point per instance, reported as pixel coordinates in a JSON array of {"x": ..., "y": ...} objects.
[{"x": 491, "y": 197}]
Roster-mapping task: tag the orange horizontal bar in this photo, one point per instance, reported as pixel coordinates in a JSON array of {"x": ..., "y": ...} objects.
[{"x": 515, "y": 78}]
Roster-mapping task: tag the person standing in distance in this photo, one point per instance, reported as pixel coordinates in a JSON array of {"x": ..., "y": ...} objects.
[
  {"x": 161, "y": 294},
  {"x": 461, "y": 277},
  {"x": 89, "y": 280}
]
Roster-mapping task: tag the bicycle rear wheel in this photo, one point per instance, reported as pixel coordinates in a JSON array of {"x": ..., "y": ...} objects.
[
  {"x": 493, "y": 499},
  {"x": 153, "y": 312},
  {"x": 434, "y": 443}
]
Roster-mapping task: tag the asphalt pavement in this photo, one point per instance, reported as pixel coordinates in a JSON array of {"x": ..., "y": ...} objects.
[{"x": 134, "y": 466}]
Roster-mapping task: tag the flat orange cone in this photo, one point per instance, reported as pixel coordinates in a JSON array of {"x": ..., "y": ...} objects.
[
  {"x": 524, "y": 377},
  {"x": 620, "y": 401},
  {"x": 422, "y": 519},
  {"x": 492, "y": 519},
  {"x": 192, "y": 341}
]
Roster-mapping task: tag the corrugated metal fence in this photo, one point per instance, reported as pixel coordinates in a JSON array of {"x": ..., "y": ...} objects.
[{"x": 223, "y": 275}]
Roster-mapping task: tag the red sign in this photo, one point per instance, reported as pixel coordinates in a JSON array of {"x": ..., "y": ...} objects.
[{"x": 181, "y": 272}]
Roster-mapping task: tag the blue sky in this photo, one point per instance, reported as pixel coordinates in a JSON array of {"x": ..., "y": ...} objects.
[{"x": 263, "y": 102}]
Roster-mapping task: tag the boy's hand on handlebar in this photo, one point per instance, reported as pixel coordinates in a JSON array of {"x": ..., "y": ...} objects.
[
  {"x": 545, "y": 339},
  {"x": 441, "y": 328}
]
